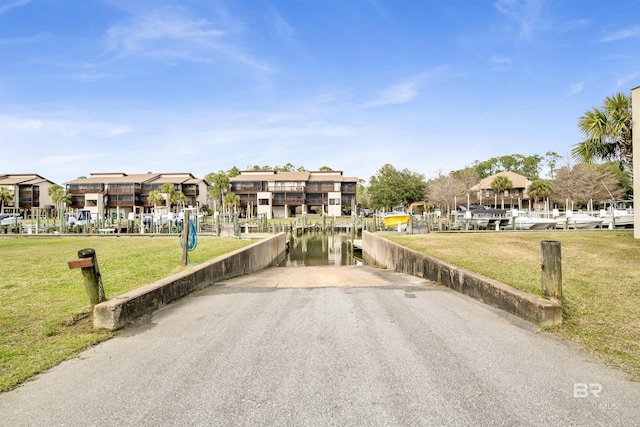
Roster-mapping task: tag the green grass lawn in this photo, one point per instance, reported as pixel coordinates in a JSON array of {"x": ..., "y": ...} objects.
[
  {"x": 45, "y": 315},
  {"x": 601, "y": 281}
]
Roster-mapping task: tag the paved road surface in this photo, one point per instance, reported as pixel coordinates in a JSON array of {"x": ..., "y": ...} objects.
[{"x": 327, "y": 346}]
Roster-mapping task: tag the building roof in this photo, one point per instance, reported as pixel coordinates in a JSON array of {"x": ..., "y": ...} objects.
[
  {"x": 108, "y": 178},
  {"x": 273, "y": 176},
  {"x": 174, "y": 178},
  {"x": 519, "y": 181},
  {"x": 22, "y": 179},
  {"x": 156, "y": 178}
]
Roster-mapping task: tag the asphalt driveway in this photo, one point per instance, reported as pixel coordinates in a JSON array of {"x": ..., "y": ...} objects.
[{"x": 328, "y": 346}]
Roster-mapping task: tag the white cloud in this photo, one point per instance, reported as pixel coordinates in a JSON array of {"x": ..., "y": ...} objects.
[
  {"x": 13, "y": 5},
  {"x": 49, "y": 127},
  {"x": 118, "y": 130},
  {"x": 170, "y": 35},
  {"x": 90, "y": 77},
  {"x": 500, "y": 60},
  {"x": 396, "y": 94},
  {"x": 527, "y": 14},
  {"x": 406, "y": 91},
  {"x": 576, "y": 88},
  {"x": 622, "y": 35},
  {"x": 146, "y": 33},
  {"x": 628, "y": 80},
  {"x": 279, "y": 26},
  {"x": 20, "y": 123}
]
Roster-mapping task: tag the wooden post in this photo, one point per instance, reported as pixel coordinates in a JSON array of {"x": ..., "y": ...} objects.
[
  {"x": 236, "y": 227},
  {"x": 88, "y": 263},
  {"x": 551, "y": 269},
  {"x": 185, "y": 238}
]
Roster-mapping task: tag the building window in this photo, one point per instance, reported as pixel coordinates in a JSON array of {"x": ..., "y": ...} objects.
[
  {"x": 263, "y": 202},
  {"x": 334, "y": 202}
]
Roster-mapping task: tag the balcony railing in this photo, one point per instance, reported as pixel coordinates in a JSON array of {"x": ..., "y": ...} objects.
[
  {"x": 123, "y": 200},
  {"x": 246, "y": 189},
  {"x": 317, "y": 201},
  {"x": 113, "y": 191},
  {"x": 349, "y": 189},
  {"x": 288, "y": 201},
  {"x": 84, "y": 189},
  {"x": 290, "y": 188},
  {"x": 319, "y": 188}
]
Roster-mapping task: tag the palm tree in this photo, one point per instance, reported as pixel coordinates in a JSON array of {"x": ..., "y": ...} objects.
[
  {"x": 220, "y": 184},
  {"x": 500, "y": 184},
  {"x": 540, "y": 188},
  {"x": 177, "y": 197},
  {"x": 168, "y": 190},
  {"x": 608, "y": 133},
  {"x": 5, "y": 196},
  {"x": 232, "y": 201},
  {"x": 59, "y": 197},
  {"x": 156, "y": 198}
]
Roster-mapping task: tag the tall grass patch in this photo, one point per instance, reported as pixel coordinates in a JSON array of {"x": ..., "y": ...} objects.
[
  {"x": 601, "y": 280},
  {"x": 45, "y": 315}
]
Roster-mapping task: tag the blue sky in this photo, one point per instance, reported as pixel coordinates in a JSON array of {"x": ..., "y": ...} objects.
[{"x": 203, "y": 85}]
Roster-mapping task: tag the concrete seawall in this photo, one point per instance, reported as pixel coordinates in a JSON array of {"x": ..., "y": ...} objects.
[
  {"x": 377, "y": 250},
  {"x": 119, "y": 311}
]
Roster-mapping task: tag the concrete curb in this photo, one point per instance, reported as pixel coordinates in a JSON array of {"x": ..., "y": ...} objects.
[
  {"x": 379, "y": 251},
  {"x": 119, "y": 311}
]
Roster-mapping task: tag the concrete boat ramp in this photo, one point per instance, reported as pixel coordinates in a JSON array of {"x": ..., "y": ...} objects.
[
  {"x": 343, "y": 346},
  {"x": 325, "y": 276}
]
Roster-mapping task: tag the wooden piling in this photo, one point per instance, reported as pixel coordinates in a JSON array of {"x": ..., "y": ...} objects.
[
  {"x": 185, "y": 238},
  {"x": 551, "y": 269},
  {"x": 88, "y": 263}
]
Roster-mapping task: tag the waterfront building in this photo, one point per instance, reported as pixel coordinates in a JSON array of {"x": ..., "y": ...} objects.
[
  {"x": 30, "y": 193},
  {"x": 517, "y": 197},
  {"x": 277, "y": 194},
  {"x": 117, "y": 194}
]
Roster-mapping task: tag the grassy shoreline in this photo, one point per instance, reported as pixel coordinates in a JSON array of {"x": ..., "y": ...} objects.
[
  {"x": 601, "y": 281},
  {"x": 45, "y": 316}
]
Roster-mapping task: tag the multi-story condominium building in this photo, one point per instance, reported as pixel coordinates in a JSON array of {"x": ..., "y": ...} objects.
[
  {"x": 30, "y": 192},
  {"x": 278, "y": 194},
  {"x": 118, "y": 194}
]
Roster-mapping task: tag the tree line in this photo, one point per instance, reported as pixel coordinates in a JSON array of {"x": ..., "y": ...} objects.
[
  {"x": 604, "y": 168},
  {"x": 579, "y": 183}
]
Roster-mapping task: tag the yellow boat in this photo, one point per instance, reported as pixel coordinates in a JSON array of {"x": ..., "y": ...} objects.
[
  {"x": 395, "y": 218},
  {"x": 398, "y": 218}
]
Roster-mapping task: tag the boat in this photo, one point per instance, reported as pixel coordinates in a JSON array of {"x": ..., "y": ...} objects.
[
  {"x": 396, "y": 219},
  {"x": 578, "y": 221},
  {"x": 479, "y": 217},
  {"x": 523, "y": 220},
  {"x": 617, "y": 214}
]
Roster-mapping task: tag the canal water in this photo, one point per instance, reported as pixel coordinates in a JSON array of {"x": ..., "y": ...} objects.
[{"x": 317, "y": 248}]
